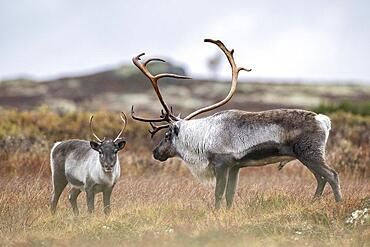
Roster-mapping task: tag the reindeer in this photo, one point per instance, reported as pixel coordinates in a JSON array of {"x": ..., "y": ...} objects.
[
  {"x": 217, "y": 146},
  {"x": 86, "y": 166}
]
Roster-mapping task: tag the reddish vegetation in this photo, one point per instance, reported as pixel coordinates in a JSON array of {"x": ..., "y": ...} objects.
[{"x": 164, "y": 202}]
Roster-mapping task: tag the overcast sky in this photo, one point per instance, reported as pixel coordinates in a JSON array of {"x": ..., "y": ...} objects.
[{"x": 310, "y": 40}]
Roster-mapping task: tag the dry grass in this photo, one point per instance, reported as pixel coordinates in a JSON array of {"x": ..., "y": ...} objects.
[
  {"x": 271, "y": 208},
  {"x": 163, "y": 205}
]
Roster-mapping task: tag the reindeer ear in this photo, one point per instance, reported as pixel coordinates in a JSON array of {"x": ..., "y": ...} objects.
[
  {"x": 176, "y": 130},
  {"x": 120, "y": 144},
  {"x": 94, "y": 145}
]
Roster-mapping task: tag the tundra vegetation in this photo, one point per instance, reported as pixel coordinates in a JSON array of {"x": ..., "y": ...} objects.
[{"x": 161, "y": 204}]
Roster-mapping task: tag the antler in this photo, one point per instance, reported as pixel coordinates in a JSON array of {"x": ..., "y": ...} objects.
[
  {"x": 124, "y": 120},
  {"x": 92, "y": 131},
  {"x": 154, "y": 81},
  {"x": 162, "y": 118},
  {"x": 167, "y": 112},
  {"x": 155, "y": 128},
  {"x": 234, "y": 79}
]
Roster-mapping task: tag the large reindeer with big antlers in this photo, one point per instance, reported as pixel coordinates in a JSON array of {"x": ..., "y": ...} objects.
[{"x": 219, "y": 145}]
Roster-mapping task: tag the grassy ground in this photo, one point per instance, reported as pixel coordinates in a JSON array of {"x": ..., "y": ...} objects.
[
  {"x": 163, "y": 205},
  {"x": 271, "y": 208}
]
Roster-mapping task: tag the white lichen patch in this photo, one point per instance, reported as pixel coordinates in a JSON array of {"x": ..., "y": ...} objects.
[{"x": 359, "y": 217}]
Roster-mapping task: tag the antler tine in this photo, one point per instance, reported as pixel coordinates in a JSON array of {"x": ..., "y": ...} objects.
[
  {"x": 138, "y": 58},
  {"x": 154, "y": 79},
  {"x": 156, "y": 120},
  {"x": 154, "y": 60},
  {"x": 155, "y": 128},
  {"x": 92, "y": 131},
  {"x": 229, "y": 54},
  {"x": 124, "y": 120},
  {"x": 160, "y": 76},
  {"x": 234, "y": 79}
]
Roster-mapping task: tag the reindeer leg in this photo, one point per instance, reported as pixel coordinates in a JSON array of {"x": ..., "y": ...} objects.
[
  {"x": 311, "y": 152},
  {"x": 90, "y": 197},
  {"x": 232, "y": 182},
  {"x": 321, "y": 182},
  {"x": 73, "y": 194},
  {"x": 59, "y": 183},
  {"x": 221, "y": 177},
  {"x": 319, "y": 167},
  {"x": 107, "y": 191},
  {"x": 331, "y": 176}
]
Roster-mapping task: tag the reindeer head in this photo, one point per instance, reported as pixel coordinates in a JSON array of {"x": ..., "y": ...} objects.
[
  {"x": 166, "y": 148},
  {"x": 108, "y": 148}
]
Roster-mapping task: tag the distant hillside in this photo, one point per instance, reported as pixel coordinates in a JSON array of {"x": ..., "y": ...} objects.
[{"x": 120, "y": 88}]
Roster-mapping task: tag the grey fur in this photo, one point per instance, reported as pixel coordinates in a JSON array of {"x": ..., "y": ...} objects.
[
  {"x": 219, "y": 145},
  {"x": 75, "y": 162}
]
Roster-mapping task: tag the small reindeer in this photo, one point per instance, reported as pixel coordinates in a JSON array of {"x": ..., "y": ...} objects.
[
  {"x": 218, "y": 146},
  {"x": 87, "y": 166}
]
